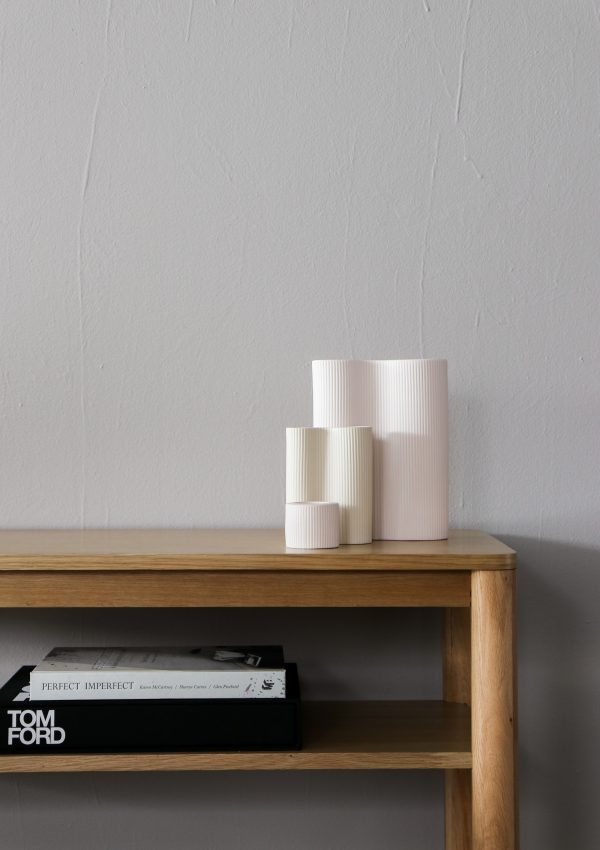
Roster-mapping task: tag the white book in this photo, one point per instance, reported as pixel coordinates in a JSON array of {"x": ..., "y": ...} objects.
[{"x": 214, "y": 672}]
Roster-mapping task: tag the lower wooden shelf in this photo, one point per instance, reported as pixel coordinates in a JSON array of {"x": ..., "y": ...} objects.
[{"x": 337, "y": 735}]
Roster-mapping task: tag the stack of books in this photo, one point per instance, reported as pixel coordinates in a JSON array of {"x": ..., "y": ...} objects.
[{"x": 149, "y": 699}]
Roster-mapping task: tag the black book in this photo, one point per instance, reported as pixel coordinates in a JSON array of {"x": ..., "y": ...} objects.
[{"x": 168, "y": 725}]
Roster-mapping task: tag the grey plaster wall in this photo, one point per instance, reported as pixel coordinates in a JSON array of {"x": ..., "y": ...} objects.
[{"x": 196, "y": 199}]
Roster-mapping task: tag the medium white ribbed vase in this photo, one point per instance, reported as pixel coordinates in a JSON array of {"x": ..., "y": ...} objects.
[
  {"x": 312, "y": 525},
  {"x": 334, "y": 465},
  {"x": 406, "y": 404}
]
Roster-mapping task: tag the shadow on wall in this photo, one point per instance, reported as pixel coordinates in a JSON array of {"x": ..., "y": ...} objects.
[
  {"x": 321, "y": 810},
  {"x": 559, "y": 693}
]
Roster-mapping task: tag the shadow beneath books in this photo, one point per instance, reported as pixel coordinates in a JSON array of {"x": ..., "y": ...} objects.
[{"x": 337, "y": 810}]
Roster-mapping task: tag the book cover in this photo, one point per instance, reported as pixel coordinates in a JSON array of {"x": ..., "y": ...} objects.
[
  {"x": 252, "y": 672},
  {"x": 168, "y": 725}
]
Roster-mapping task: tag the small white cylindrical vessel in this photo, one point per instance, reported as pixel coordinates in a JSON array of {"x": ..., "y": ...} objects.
[{"x": 312, "y": 525}]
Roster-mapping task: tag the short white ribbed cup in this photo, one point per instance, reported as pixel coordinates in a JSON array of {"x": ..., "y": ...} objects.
[{"x": 312, "y": 525}]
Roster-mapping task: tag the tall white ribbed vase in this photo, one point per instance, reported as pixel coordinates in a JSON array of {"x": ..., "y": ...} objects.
[
  {"x": 334, "y": 465},
  {"x": 406, "y": 404}
]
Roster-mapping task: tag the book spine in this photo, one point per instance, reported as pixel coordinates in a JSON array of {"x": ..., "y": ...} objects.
[
  {"x": 148, "y": 684},
  {"x": 223, "y": 725}
]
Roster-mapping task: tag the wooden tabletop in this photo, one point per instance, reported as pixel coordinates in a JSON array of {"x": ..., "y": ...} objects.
[{"x": 238, "y": 549}]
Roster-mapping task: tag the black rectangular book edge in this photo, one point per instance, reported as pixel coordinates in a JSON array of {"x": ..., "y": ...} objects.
[{"x": 155, "y": 725}]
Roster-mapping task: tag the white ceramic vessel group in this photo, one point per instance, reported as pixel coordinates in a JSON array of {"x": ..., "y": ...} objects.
[{"x": 378, "y": 447}]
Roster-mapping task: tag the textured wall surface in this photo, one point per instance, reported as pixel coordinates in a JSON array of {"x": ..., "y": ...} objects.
[{"x": 198, "y": 198}]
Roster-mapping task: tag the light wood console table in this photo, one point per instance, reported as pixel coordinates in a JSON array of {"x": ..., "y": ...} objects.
[{"x": 471, "y": 733}]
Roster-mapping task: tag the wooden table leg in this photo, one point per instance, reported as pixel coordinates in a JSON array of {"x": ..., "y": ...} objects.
[
  {"x": 457, "y": 688},
  {"x": 493, "y": 710}
]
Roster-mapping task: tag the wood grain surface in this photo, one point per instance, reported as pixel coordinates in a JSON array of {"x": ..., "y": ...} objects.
[
  {"x": 495, "y": 823},
  {"x": 238, "y": 549},
  {"x": 337, "y": 735},
  {"x": 253, "y": 589},
  {"x": 457, "y": 688}
]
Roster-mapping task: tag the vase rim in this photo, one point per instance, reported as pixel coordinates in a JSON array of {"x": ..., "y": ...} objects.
[
  {"x": 329, "y": 428},
  {"x": 337, "y": 504},
  {"x": 388, "y": 360}
]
